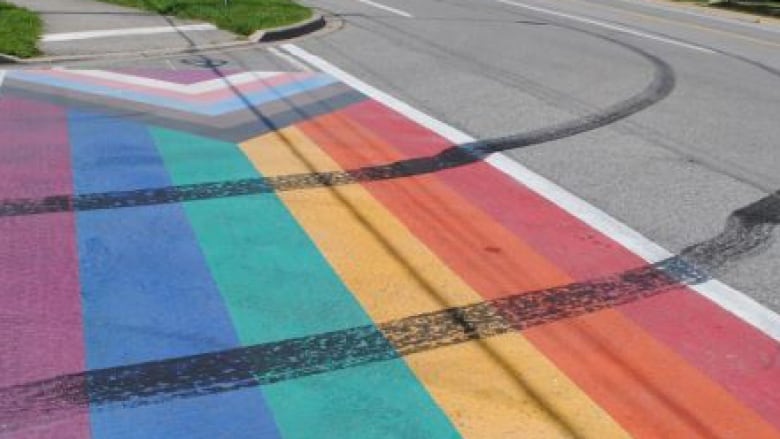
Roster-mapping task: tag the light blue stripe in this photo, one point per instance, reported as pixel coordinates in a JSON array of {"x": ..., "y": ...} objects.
[{"x": 208, "y": 109}]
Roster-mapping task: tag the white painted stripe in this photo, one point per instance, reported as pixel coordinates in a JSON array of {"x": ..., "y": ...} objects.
[
  {"x": 290, "y": 59},
  {"x": 614, "y": 27},
  {"x": 726, "y": 297},
  {"x": 2, "y": 77},
  {"x": 190, "y": 89},
  {"x": 679, "y": 9},
  {"x": 70, "y": 36},
  {"x": 387, "y": 8}
]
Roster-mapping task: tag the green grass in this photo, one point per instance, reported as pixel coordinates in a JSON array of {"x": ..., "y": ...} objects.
[
  {"x": 240, "y": 16},
  {"x": 19, "y": 31},
  {"x": 769, "y": 8}
]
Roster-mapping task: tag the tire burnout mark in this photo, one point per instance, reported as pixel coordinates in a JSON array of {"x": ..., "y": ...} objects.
[
  {"x": 44, "y": 401},
  {"x": 459, "y": 155},
  {"x": 198, "y": 375}
]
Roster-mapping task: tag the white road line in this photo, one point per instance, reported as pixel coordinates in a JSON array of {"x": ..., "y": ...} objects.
[
  {"x": 290, "y": 59},
  {"x": 69, "y": 36},
  {"x": 387, "y": 8},
  {"x": 608, "y": 26},
  {"x": 191, "y": 89},
  {"x": 2, "y": 77},
  {"x": 679, "y": 9},
  {"x": 726, "y": 297}
]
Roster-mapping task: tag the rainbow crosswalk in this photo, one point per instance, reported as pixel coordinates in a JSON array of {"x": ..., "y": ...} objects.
[{"x": 266, "y": 254}]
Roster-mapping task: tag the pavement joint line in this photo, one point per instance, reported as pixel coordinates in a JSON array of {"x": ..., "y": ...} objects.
[
  {"x": 387, "y": 8},
  {"x": 614, "y": 27},
  {"x": 728, "y": 298},
  {"x": 85, "y": 35}
]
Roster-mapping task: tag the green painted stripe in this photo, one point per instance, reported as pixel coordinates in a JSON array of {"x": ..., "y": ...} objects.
[{"x": 278, "y": 286}]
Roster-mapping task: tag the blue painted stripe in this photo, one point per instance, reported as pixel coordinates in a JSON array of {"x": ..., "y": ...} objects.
[
  {"x": 278, "y": 286},
  {"x": 146, "y": 289},
  {"x": 209, "y": 109}
]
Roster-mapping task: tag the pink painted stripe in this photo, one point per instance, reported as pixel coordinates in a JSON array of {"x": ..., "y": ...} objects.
[
  {"x": 188, "y": 76},
  {"x": 729, "y": 351},
  {"x": 40, "y": 317},
  {"x": 213, "y": 96}
]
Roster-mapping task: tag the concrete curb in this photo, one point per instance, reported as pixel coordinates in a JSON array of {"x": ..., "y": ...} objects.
[
  {"x": 313, "y": 24},
  {"x": 316, "y": 22},
  {"x": 9, "y": 59}
]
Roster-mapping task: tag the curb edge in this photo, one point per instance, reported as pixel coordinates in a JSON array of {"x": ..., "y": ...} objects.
[{"x": 314, "y": 23}]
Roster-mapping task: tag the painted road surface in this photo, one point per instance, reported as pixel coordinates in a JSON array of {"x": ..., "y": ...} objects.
[{"x": 260, "y": 254}]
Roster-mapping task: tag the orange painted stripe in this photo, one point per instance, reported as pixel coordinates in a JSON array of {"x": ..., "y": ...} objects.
[
  {"x": 725, "y": 348},
  {"x": 645, "y": 386},
  {"x": 394, "y": 276}
]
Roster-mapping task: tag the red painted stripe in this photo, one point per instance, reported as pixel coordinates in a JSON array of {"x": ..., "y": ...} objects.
[
  {"x": 40, "y": 317},
  {"x": 648, "y": 389},
  {"x": 727, "y": 349}
]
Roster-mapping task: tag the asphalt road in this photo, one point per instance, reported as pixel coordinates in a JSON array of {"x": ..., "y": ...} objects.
[
  {"x": 662, "y": 117},
  {"x": 675, "y": 171}
]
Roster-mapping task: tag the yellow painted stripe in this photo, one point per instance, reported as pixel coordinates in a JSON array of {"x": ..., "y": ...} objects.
[{"x": 501, "y": 387}]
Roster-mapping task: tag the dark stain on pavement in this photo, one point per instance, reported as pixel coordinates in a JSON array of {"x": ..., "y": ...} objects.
[
  {"x": 155, "y": 382},
  {"x": 25, "y": 405}
]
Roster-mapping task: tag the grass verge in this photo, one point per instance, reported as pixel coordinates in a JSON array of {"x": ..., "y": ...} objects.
[
  {"x": 19, "y": 31},
  {"x": 769, "y": 8},
  {"x": 239, "y": 16}
]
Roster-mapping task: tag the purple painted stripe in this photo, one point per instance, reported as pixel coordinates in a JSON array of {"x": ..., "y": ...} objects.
[{"x": 40, "y": 317}]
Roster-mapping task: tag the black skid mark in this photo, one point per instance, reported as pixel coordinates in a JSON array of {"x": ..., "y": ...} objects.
[
  {"x": 460, "y": 155},
  {"x": 156, "y": 382}
]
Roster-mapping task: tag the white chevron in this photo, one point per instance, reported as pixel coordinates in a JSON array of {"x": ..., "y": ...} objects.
[{"x": 189, "y": 89}]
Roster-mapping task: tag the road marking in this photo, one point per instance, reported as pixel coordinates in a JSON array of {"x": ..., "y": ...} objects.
[
  {"x": 683, "y": 23},
  {"x": 190, "y": 89},
  {"x": 723, "y": 295},
  {"x": 290, "y": 59},
  {"x": 608, "y": 26},
  {"x": 2, "y": 77},
  {"x": 387, "y": 8},
  {"x": 70, "y": 36},
  {"x": 684, "y": 10}
]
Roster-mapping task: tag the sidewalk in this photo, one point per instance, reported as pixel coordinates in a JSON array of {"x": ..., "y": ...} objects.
[{"x": 71, "y": 29}]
